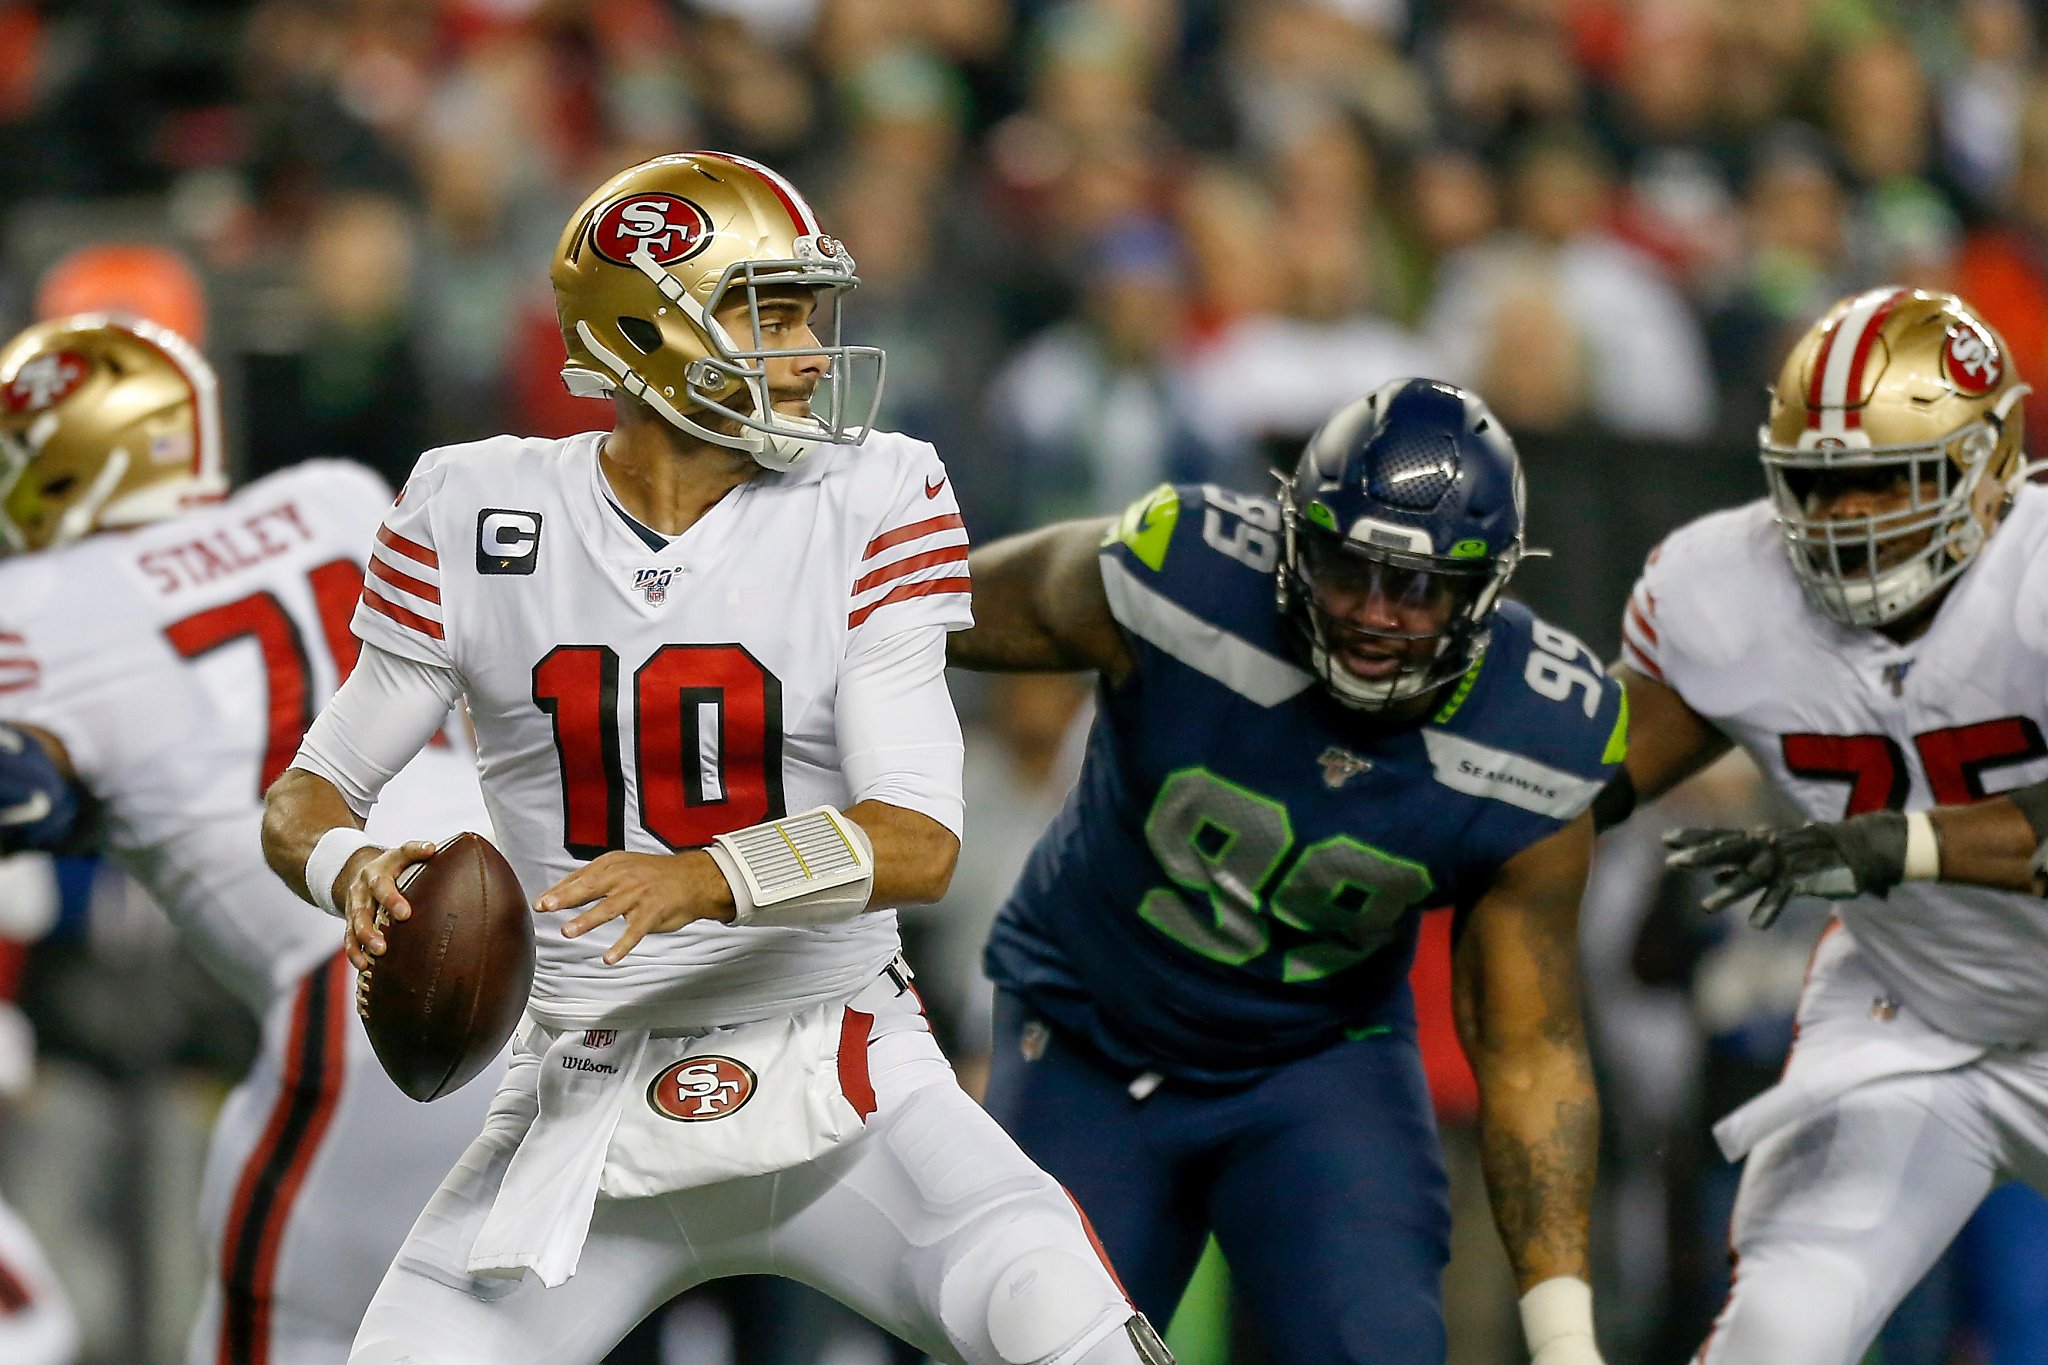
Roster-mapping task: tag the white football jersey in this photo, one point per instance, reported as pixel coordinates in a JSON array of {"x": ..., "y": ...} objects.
[
  {"x": 1845, "y": 721},
  {"x": 180, "y": 664},
  {"x": 639, "y": 696}
]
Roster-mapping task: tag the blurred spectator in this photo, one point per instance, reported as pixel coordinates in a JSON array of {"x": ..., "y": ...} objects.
[
  {"x": 1983, "y": 95},
  {"x": 151, "y": 282},
  {"x": 1096, "y": 410},
  {"x": 2004, "y": 266},
  {"x": 1646, "y": 364},
  {"x": 1795, "y": 265}
]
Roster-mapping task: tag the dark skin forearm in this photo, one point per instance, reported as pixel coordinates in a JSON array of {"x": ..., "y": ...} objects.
[
  {"x": 1516, "y": 995},
  {"x": 1039, "y": 606},
  {"x": 1668, "y": 741},
  {"x": 1988, "y": 844}
]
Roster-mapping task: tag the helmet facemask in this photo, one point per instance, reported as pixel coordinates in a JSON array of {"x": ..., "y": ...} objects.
[
  {"x": 1872, "y": 570},
  {"x": 1412, "y": 620},
  {"x": 730, "y": 380}
]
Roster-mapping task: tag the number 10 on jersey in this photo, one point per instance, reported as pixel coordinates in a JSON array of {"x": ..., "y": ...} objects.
[{"x": 707, "y": 743}]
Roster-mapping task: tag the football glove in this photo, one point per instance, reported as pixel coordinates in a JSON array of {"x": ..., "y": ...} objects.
[
  {"x": 1864, "y": 855},
  {"x": 38, "y": 808}
]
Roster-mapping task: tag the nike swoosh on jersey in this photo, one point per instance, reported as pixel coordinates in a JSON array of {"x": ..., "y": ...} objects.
[
  {"x": 931, "y": 490},
  {"x": 26, "y": 812}
]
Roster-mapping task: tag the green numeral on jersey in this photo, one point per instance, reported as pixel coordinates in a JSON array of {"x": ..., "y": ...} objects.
[{"x": 1222, "y": 842}]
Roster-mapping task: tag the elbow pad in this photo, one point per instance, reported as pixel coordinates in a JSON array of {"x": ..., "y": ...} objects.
[{"x": 39, "y": 809}]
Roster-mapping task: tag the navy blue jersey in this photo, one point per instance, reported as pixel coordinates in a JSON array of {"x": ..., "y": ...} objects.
[{"x": 1235, "y": 880}]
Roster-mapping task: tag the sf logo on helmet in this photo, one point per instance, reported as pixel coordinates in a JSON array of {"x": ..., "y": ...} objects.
[
  {"x": 701, "y": 1088},
  {"x": 1971, "y": 359},
  {"x": 46, "y": 380},
  {"x": 672, "y": 228}
]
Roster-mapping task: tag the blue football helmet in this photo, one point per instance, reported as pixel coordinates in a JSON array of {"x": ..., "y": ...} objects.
[{"x": 1400, "y": 526}]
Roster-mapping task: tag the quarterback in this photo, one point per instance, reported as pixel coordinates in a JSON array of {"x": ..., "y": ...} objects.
[
  {"x": 1875, "y": 637},
  {"x": 163, "y": 646},
  {"x": 1317, "y": 720},
  {"x": 704, "y": 654}
]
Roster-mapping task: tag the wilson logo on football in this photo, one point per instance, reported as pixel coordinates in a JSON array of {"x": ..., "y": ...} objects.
[
  {"x": 672, "y": 227},
  {"x": 701, "y": 1088},
  {"x": 46, "y": 380},
  {"x": 1972, "y": 361}
]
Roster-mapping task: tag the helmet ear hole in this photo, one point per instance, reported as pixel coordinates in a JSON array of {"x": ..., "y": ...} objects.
[{"x": 644, "y": 335}]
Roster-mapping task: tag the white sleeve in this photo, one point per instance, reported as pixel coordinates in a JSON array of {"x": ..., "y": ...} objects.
[
  {"x": 385, "y": 712},
  {"x": 899, "y": 740}
]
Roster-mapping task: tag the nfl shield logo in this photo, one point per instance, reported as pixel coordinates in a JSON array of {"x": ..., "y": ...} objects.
[
  {"x": 652, "y": 584},
  {"x": 1340, "y": 766}
]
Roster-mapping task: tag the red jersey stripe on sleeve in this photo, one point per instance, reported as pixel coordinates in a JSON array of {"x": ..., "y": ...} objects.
[
  {"x": 913, "y": 531},
  {"x": 426, "y": 592},
  {"x": 411, "y": 549},
  {"x": 412, "y": 620},
  {"x": 910, "y": 564},
  {"x": 1639, "y": 659},
  {"x": 1641, "y": 623},
  {"x": 930, "y": 587}
]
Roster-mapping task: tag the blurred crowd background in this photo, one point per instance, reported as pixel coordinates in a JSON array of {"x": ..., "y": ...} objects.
[{"x": 1106, "y": 242}]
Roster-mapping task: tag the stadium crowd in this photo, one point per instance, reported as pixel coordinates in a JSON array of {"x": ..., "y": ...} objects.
[{"x": 1105, "y": 243}]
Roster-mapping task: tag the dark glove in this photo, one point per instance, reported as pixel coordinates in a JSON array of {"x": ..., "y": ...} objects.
[
  {"x": 38, "y": 808},
  {"x": 1861, "y": 856}
]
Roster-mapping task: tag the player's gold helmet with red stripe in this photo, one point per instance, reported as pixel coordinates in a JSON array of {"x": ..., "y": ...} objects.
[
  {"x": 1894, "y": 389},
  {"x": 648, "y": 261},
  {"x": 106, "y": 421}
]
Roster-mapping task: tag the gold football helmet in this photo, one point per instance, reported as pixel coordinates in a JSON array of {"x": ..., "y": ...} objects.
[
  {"x": 105, "y": 421},
  {"x": 1893, "y": 388},
  {"x": 646, "y": 263}
]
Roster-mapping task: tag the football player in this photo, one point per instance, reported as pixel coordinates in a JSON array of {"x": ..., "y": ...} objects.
[
  {"x": 1874, "y": 636},
  {"x": 163, "y": 646},
  {"x": 1317, "y": 719},
  {"x": 704, "y": 652}
]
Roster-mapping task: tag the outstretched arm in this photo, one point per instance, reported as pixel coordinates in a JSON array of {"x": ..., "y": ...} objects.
[
  {"x": 2001, "y": 843},
  {"x": 1516, "y": 992},
  {"x": 1039, "y": 606}
]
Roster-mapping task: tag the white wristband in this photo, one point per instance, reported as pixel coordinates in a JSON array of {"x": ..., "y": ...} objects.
[
  {"x": 1923, "y": 849},
  {"x": 327, "y": 859},
  {"x": 1558, "y": 1308},
  {"x": 817, "y": 867}
]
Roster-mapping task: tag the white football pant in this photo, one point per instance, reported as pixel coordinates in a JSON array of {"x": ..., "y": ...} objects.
[
  {"x": 929, "y": 1222},
  {"x": 316, "y": 1169},
  {"x": 36, "y": 1323},
  {"x": 1840, "y": 1214}
]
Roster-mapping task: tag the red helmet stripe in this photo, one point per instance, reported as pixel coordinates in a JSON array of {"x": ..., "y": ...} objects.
[
  {"x": 1837, "y": 377},
  {"x": 798, "y": 208},
  {"x": 1820, "y": 368},
  {"x": 1854, "y": 416}
]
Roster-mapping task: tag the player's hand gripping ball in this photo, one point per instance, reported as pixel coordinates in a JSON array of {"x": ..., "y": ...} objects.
[{"x": 448, "y": 988}]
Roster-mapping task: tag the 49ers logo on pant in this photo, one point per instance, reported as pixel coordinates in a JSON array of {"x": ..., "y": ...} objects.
[
  {"x": 672, "y": 227},
  {"x": 701, "y": 1088}
]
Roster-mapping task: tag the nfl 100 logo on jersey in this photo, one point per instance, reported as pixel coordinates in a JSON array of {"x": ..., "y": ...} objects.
[{"x": 652, "y": 584}]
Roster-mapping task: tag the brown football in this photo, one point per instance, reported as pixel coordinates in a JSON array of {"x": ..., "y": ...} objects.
[{"x": 446, "y": 994}]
